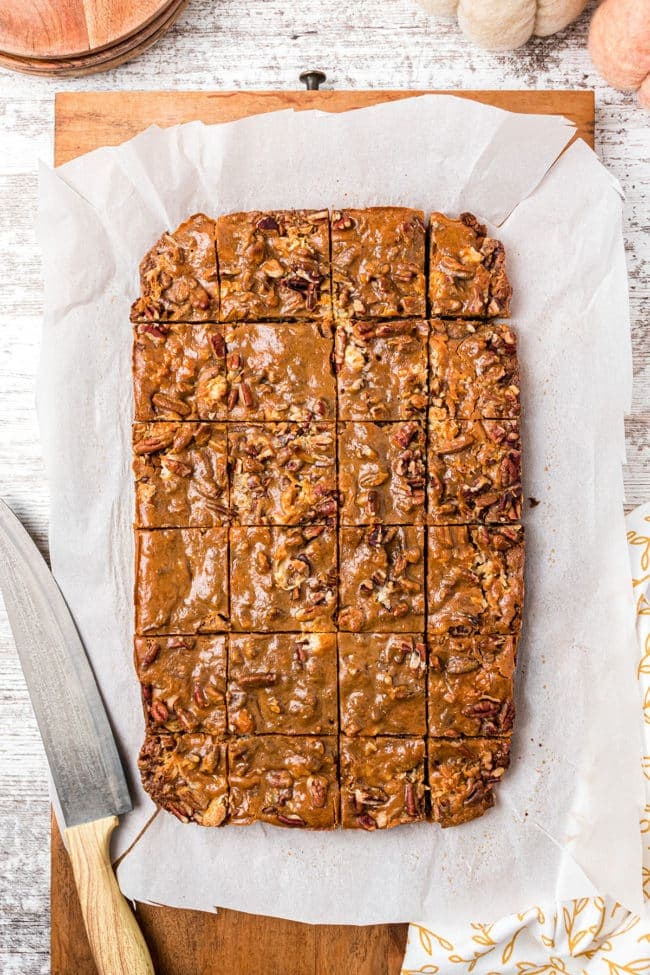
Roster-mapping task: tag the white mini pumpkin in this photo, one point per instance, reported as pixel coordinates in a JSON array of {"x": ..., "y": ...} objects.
[{"x": 500, "y": 25}]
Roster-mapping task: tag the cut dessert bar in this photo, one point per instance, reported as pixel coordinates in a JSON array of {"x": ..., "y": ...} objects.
[
  {"x": 178, "y": 276},
  {"x": 474, "y": 471},
  {"x": 463, "y": 775},
  {"x": 274, "y": 265},
  {"x": 381, "y": 369},
  {"x": 283, "y": 473},
  {"x": 179, "y": 372},
  {"x": 475, "y": 580},
  {"x": 181, "y": 581},
  {"x": 286, "y": 780},
  {"x": 470, "y": 689},
  {"x": 186, "y": 774},
  {"x": 467, "y": 269},
  {"x": 283, "y": 579},
  {"x": 183, "y": 680},
  {"x": 382, "y": 473},
  {"x": 181, "y": 475},
  {"x": 281, "y": 371},
  {"x": 382, "y": 782},
  {"x": 378, "y": 263},
  {"x": 282, "y": 682},
  {"x": 473, "y": 370},
  {"x": 381, "y": 579},
  {"x": 382, "y": 684}
]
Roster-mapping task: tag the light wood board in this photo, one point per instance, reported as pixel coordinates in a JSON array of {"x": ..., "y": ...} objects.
[{"x": 190, "y": 942}]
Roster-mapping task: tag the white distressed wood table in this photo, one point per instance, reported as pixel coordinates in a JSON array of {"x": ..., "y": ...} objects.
[{"x": 244, "y": 44}]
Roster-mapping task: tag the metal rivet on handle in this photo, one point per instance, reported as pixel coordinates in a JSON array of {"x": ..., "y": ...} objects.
[{"x": 312, "y": 80}]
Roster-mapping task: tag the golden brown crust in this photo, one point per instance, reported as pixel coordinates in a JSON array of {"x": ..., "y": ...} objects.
[
  {"x": 274, "y": 264},
  {"x": 473, "y": 370},
  {"x": 382, "y": 369},
  {"x": 463, "y": 776},
  {"x": 284, "y": 780},
  {"x": 382, "y": 684},
  {"x": 283, "y": 473},
  {"x": 179, "y": 372},
  {"x": 382, "y": 473},
  {"x": 181, "y": 581},
  {"x": 470, "y": 687},
  {"x": 181, "y": 475},
  {"x": 186, "y": 775},
  {"x": 178, "y": 276},
  {"x": 378, "y": 263},
  {"x": 283, "y": 579},
  {"x": 467, "y": 269},
  {"x": 382, "y": 782},
  {"x": 282, "y": 683},
  {"x": 183, "y": 681},
  {"x": 474, "y": 472}
]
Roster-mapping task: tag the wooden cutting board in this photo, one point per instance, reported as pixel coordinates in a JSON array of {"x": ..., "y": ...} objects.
[{"x": 190, "y": 942}]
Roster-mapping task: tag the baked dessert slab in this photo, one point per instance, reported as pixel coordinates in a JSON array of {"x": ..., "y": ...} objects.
[
  {"x": 381, "y": 579},
  {"x": 382, "y": 473},
  {"x": 474, "y": 472},
  {"x": 179, "y": 372},
  {"x": 381, "y": 369},
  {"x": 272, "y": 374},
  {"x": 382, "y": 684},
  {"x": 284, "y": 780},
  {"x": 181, "y": 581},
  {"x": 473, "y": 370},
  {"x": 178, "y": 276},
  {"x": 283, "y": 579},
  {"x": 283, "y": 473},
  {"x": 181, "y": 475},
  {"x": 382, "y": 782},
  {"x": 467, "y": 269},
  {"x": 378, "y": 263},
  {"x": 282, "y": 683},
  {"x": 470, "y": 686},
  {"x": 475, "y": 580},
  {"x": 463, "y": 776},
  {"x": 187, "y": 775},
  {"x": 274, "y": 264},
  {"x": 183, "y": 681}
]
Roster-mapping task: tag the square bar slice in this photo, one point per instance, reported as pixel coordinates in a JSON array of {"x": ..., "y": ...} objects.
[
  {"x": 183, "y": 680},
  {"x": 378, "y": 263},
  {"x": 283, "y": 473},
  {"x": 474, "y": 471},
  {"x": 382, "y": 473},
  {"x": 473, "y": 370},
  {"x": 281, "y": 371},
  {"x": 274, "y": 265},
  {"x": 178, "y": 276},
  {"x": 471, "y": 686},
  {"x": 181, "y": 581},
  {"x": 283, "y": 579},
  {"x": 282, "y": 683},
  {"x": 285, "y": 780},
  {"x": 463, "y": 776},
  {"x": 381, "y": 369},
  {"x": 467, "y": 269},
  {"x": 179, "y": 372},
  {"x": 382, "y": 782},
  {"x": 186, "y": 775},
  {"x": 475, "y": 580},
  {"x": 382, "y": 684},
  {"x": 381, "y": 579},
  {"x": 181, "y": 475}
]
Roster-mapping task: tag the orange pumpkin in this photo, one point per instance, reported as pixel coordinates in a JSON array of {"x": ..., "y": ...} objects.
[{"x": 619, "y": 44}]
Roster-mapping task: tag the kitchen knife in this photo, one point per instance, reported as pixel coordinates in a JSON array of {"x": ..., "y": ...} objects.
[{"x": 79, "y": 745}]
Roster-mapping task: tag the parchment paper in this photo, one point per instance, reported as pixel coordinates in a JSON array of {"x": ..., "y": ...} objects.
[{"x": 566, "y": 821}]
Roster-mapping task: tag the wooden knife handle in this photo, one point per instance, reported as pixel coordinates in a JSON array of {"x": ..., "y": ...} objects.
[{"x": 115, "y": 938}]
